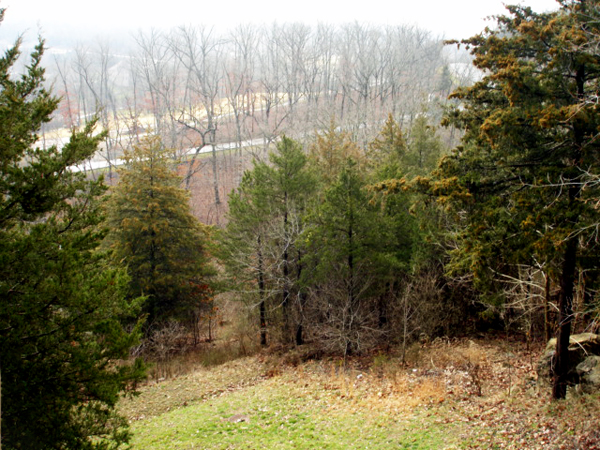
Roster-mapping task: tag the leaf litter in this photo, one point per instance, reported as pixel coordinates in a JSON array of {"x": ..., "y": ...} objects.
[{"x": 485, "y": 392}]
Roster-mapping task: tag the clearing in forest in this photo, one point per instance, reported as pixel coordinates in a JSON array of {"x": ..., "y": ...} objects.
[{"x": 449, "y": 395}]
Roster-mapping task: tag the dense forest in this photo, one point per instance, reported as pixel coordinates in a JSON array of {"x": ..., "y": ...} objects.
[{"x": 338, "y": 190}]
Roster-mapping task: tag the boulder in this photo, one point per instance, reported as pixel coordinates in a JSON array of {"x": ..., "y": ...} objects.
[
  {"x": 581, "y": 346},
  {"x": 588, "y": 372}
]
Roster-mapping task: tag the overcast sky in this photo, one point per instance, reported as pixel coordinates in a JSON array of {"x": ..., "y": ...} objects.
[{"x": 81, "y": 18}]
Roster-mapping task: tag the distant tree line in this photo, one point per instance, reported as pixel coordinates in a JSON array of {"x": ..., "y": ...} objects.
[{"x": 193, "y": 86}]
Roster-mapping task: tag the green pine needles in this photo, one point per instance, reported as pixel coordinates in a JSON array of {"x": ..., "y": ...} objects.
[
  {"x": 153, "y": 233},
  {"x": 62, "y": 345}
]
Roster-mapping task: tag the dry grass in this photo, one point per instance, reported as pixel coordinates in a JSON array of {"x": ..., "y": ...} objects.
[
  {"x": 482, "y": 393},
  {"x": 158, "y": 397}
]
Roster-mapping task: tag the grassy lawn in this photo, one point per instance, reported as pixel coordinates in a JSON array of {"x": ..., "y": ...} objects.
[
  {"x": 271, "y": 417},
  {"x": 279, "y": 414},
  {"x": 258, "y": 403}
]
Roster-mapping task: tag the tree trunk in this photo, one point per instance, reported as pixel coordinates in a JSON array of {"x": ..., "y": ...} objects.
[
  {"x": 215, "y": 174},
  {"x": 547, "y": 331},
  {"x": 382, "y": 307},
  {"x": 299, "y": 334},
  {"x": 263, "y": 324},
  {"x": 285, "y": 304},
  {"x": 261, "y": 290},
  {"x": 191, "y": 164},
  {"x": 565, "y": 301},
  {"x": 302, "y": 298},
  {"x": 569, "y": 266},
  {"x": 565, "y": 319}
]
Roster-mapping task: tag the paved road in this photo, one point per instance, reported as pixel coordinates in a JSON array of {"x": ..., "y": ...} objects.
[{"x": 103, "y": 164}]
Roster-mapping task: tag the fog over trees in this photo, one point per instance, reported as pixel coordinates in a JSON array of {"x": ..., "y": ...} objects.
[{"x": 194, "y": 86}]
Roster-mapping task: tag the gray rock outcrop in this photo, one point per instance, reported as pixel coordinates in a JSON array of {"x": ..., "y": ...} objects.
[
  {"x": 584, "y": 361},
  {"x": 588, "y": 372}
]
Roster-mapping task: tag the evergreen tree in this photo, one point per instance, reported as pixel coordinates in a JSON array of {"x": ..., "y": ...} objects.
[
  {"x": 530, "y": 140},
  {"x": 417, "y": 234},
  {"x": 388, "y": 150},
  {"x": 330, "y": 151},
  {"x": 395, "y": 252},
  {"x": 357, "y": 247},
  {"x": 61, "y": 305},
  {"x": 241, "y": 247},
  {"x": 153, "y": 233},
  {"x": 424, "y": 148},
  {"x": 265, "y": 220},
  {"x": 287, "y": 186}
]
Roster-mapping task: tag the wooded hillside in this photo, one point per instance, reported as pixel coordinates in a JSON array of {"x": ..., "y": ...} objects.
[{"x": 322, "y": 192}]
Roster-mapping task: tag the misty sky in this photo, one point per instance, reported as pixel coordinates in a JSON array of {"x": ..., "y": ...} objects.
[{"x": 85, "y": 19}]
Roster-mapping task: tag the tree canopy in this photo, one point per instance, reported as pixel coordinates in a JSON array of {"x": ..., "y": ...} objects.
[
  {"x": 62, "y": 305},
  {"x": 530, "y": 142},
  {"x": 154, "y": 234}
]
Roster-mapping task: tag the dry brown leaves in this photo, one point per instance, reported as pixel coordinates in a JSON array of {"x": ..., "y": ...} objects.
[
  {"x": 486, "y": 390},
  {"x": 513, "y": 410}
]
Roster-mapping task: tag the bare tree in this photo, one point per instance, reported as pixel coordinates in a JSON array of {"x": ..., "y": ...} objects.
[
  {"x": 272, "y": 113},
  {"x": 159, "y": 73},
  {"x": 200, "y": 52},
  {"x": 239, "y": 69}
]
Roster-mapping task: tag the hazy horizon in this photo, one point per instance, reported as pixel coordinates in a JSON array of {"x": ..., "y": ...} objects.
[{"x": 64, "y": 21}]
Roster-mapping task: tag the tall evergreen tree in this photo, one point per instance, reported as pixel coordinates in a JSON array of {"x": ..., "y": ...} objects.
[
  {"x": 242, "y": 247},
  {"x": 358, "y": 244},
  {"x": 530, "y": 138},
  {"x": 388, "y": 150},
  {"x": 265, "y": 220},
  {"x": 287, "y": 186},
  {"x": 61, "y": 305},
  {"x": 394, "y": 253},
  {"x": 153, "y": 232},
  {"x": 330, "y": 151},
  {"x": 356, "y": 248}
]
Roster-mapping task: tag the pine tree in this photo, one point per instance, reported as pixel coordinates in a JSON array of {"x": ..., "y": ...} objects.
[
  {"x": 351, "y": 243},
  {"x": 242, "y": 248},
  {"x": 530, "y": 140},
  {"x": 153, "y": 233},
  {"x": 358, "y": 244},
  {"x": 398, "y": 236},
  {"x": 389, "y": 147},
  {"x": 265, "y": 220},
  {"x": 424, "y": 148},
  {"x": 330, "y": 151},
  {"x": 61, "y": 305}
]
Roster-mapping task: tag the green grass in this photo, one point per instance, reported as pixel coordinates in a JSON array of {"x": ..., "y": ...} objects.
[
  {"x": 280, "y": 416},
  {"x": 433, "y": 404}
]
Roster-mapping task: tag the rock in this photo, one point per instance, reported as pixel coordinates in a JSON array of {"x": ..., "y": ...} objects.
[
  {"x": 580, "y": 347},
  {"x": 589, "y": 374},
  {"x": 236, "y": 418}
]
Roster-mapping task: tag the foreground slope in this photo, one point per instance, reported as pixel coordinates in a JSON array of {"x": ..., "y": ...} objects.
[{"x": 459, "y": 395}]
